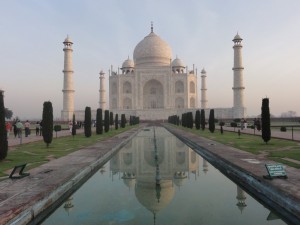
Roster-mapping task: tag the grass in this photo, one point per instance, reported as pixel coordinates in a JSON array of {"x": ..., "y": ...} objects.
[
  {"x": 276, "y": 149},
  {"x": 36, "y": 153}
]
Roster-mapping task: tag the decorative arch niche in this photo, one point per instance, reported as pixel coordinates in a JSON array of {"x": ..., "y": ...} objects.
[
  {"x": 179, "y": 87},
  {"x": 153, "y": 95},
  {"x": 192, "y": 87},
  {"x": 127, "y": 88}
]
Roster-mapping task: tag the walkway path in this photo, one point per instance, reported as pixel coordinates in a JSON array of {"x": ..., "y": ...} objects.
[
  {"x": 13, "y": 141},
  {"x": 274, "y": 133}
]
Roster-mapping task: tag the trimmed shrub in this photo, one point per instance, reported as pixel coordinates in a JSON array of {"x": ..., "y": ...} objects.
[
  {"x": 106, "y": 121},
  {"x": 47, "y": 123},
  {"x": 3, "y": 134},
  {"x": 211, "y": 121},
  {"x": 99, "y": 123},
  {"x": 265, "y": 121},
  {"x": 116, "y": 122},
  {"x": 88, "y": 122},
  {"x": 283, "y": 129},
  {"x": 74, "y": 126}
]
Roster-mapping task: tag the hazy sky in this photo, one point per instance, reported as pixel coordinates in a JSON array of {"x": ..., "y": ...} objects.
[{"x": 106, "y": 32}]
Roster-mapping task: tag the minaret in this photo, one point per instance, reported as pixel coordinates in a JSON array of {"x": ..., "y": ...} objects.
[
  {"x": 238, "y": 79},
  {"x": 241, "y": 197},
  {"x": 68, "y": 89},
  {"x": 102, "y": 96},
  {"x": 203, "y": 90}
]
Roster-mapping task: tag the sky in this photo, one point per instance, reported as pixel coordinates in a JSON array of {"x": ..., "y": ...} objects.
[{"x": 105, "y": 33}]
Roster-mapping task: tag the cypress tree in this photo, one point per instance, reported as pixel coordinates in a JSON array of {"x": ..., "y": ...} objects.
[
  {"x": 197, "y": 120},
  {"x": 116, "y": 122},
  {"x": 211, "y": 121},
  {"x": 99, "y": 127},
  {"x": 3, "y": 134},
  {"x": 123, "y": 120},
  {"x": 111, "y": 119},
  {"x": 106, "y": 121},
  {"x": 202, "y": 119},
  {"x": 88, "y": 122},
  {"x": 190, "y": 119},
  {"x": 47, "y": 123},
  {"x": 73, "y": 126},
  {"x": 265, "y": 121}
]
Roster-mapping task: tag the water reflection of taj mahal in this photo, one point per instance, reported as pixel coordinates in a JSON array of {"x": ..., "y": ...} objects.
[{"x": 142, "y": 167}]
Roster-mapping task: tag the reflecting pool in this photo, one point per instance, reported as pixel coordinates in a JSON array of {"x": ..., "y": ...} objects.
[{"x": 157, "y": 179}]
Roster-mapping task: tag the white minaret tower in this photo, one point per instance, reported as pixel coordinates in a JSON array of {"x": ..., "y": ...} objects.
[
  {"x": 203, "y": 90},
  {"x": 68, "y": 89},
  {"x": 102, "y": 96},
  {"x": 239, "y": 110}
]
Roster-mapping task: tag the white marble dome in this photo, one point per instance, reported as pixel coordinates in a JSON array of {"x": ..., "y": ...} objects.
[
  {"x": 177, "y": 63},
  {"x": 152, "y": 51},
  {"x": 128, "y": 63}
]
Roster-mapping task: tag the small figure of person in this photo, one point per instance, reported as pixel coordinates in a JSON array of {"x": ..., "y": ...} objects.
[
  {"x": 70, "y": 126},
  {"x": 27, "y": 128},
  {"x": 19, "y": 126},
  {"x": 41, "y": 127},
  {"x": 8, "y": 128},
  {"x": 37, "y": 128},
  {"x": 15, "y": 129}
]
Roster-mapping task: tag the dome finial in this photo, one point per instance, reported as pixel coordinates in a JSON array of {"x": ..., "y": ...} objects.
[{"x": 151, "y": 26}]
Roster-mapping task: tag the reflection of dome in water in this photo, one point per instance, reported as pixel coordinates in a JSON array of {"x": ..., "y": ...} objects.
[
  {"x": 129, "y": 183},
  {"x": 146, "y": 194}
]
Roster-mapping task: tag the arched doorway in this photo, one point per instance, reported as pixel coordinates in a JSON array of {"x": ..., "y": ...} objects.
[{"x": 153, "y": 95}]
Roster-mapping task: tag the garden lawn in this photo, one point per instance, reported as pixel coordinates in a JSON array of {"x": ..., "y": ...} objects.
[
  {"x": 276, "y": 149},
  {"x": 37, "y": 153}
]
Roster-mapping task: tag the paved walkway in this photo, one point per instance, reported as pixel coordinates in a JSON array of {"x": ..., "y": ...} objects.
[
  {"x": 13, "y": 141},
  {"x": 276, "y": 133},
  {"x": 21, "y": 200}
]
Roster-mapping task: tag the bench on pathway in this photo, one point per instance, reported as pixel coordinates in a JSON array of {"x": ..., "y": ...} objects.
[{"x": 17, "y": 172}]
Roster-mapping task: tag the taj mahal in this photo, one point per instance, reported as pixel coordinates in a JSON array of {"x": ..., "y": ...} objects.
[{"x": 154, "y": 85}]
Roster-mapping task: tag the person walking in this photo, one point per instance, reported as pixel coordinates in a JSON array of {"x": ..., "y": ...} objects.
[
  {"x": 8, "y": 128},
  {"x": 37, "y": 128},
  {"x": 41, "y": 127},
  {"x": 19, "y": 126},
  {"x": 27, "y": 128},
  {"x": 15, "y": 128}
]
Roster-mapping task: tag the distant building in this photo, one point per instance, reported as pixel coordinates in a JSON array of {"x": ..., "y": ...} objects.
[{"x": 154, "y": 86}]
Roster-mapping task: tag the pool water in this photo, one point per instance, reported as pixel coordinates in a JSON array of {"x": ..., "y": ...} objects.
[{"x": 157, "y": 179}]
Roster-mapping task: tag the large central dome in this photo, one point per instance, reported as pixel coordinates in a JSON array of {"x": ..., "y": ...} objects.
[{"x": 152, "y": 51}]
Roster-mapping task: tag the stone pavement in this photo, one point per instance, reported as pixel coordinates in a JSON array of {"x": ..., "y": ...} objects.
[
  {"x": 22, "y": 200},
  {"x": 13, "y": 141},
  {"x": 275, "y": 132}
]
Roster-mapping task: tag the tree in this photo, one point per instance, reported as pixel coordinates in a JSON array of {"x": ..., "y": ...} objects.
[
  {"x": 202, "y": 119},
  {"x": 8, "y": 113},
  {"x": 3, "y": 134},
  {"x": 111, "y": 118},
  {"x": 190, "y": 120},
  {"x": 47, "y": 123},
  {"x": 197, "y": 120},
  {"x": 211, "y": 121},
  {"x": 265, "y": 121},
  {"x": 73, "y": 126},
  {"x": 123, "y": 120},
  {"x": 116, "y": 122},
  {"x": 88, "y": 122},
  {"x": 99, "y": 124},
  {"x": 106, "y": 121}
]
